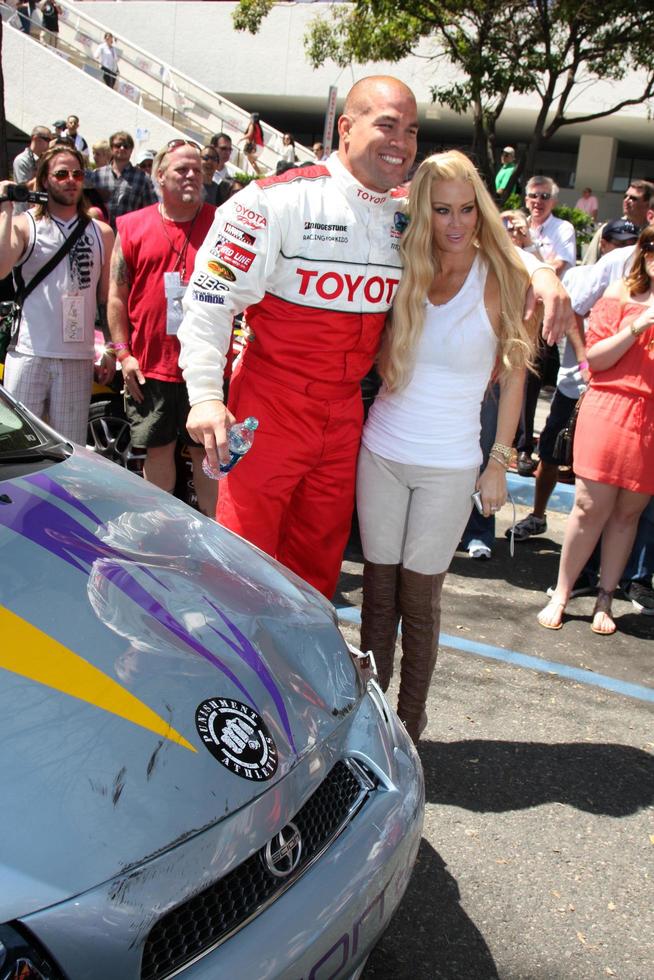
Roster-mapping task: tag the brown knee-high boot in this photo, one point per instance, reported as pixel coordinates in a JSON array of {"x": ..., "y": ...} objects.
[
  {"x": 380, "y": 615},
  {"x": 420, "y": 605}
]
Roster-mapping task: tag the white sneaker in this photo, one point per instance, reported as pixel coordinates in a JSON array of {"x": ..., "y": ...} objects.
[{"x": 479, "y": 550}]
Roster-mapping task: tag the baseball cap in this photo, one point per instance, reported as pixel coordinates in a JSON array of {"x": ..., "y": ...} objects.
[
  {"x": 619, "y": 230},
  {"x": 59, "y": 124},
  {"x": 144, "y": 155},
  {"x": 509, "y": 149}
]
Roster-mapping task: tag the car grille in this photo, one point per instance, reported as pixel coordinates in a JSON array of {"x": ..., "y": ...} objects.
[{"x": 209, "y": 918}]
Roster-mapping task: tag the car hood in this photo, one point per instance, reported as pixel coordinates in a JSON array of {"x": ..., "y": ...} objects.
[{"x": 157, "y": 673}]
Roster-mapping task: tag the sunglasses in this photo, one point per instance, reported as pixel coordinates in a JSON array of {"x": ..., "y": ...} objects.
[
  {"x": 121, "y": 146},
  {"x": 647, "y": 247},
  {"x": 543, "y": 195},
  {"x": 208, "y": 157},
  {"x": 173, "y": 144},
  {"x": 632, "y": 197},
  {"x": 65, "y": 174}
]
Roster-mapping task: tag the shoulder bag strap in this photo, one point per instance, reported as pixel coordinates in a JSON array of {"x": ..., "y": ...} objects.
[{"x": 22, "y": 290}]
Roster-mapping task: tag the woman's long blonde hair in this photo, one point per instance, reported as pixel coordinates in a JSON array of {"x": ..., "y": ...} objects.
[{"x": 421, "y": 264}]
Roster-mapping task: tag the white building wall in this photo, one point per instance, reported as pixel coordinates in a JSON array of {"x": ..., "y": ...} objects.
[
  {"x": 40, "y": 87},
  {"x": 199, "y": 39}
]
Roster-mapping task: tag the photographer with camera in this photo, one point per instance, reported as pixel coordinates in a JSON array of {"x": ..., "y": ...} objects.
[
  {"x": 60, "y": 262},
  {"x": 25, "y": 163}
]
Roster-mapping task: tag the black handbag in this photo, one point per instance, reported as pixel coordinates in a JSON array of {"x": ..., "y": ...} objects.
[
  {"x": 564, "y": 442},
  {"x": 11, "y": 312}
]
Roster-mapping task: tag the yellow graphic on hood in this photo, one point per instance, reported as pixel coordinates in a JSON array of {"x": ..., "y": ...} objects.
[{"x": 27, "y": 651}]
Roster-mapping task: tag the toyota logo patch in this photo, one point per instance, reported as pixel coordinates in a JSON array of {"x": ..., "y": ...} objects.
[{"x": 237, "y": 737}]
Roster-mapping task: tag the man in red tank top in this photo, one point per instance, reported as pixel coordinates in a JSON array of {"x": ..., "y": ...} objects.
[{"x": 151, "y": 264}]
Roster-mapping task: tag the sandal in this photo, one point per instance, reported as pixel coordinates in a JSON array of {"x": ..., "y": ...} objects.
[
  {"x": 602, "y": 614},
  {"x": 552, "y": 621}
]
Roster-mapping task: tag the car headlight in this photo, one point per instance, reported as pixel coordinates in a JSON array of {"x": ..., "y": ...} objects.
[{"x": 21, "y": 960}]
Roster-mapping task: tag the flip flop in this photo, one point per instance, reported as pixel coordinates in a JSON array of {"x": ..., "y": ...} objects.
[
  {"x": 604, "y": 599},
  {"x": 554, "y": 604}
]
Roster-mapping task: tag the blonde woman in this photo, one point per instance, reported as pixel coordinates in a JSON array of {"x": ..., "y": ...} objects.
[{"x": 457, "y": 322}]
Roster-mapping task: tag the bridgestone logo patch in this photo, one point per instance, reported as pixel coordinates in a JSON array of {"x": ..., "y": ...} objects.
[{"x": 238, "y": 738}]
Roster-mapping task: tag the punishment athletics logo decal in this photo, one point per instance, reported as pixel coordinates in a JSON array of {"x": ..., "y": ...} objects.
[{"x": 237, "y": 737}]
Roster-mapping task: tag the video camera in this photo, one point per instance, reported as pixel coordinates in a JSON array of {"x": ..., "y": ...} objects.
[{"x": 21, "y": 193}]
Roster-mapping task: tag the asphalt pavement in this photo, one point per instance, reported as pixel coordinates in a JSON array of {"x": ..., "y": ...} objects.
[{"x": 537, "y": 859}]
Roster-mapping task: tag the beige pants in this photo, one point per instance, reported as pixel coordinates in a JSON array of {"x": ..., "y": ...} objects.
[{"x": 411, "y": 515}]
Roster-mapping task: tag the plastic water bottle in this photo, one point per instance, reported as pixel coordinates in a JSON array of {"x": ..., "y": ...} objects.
[{"x": 240, "y": 437}]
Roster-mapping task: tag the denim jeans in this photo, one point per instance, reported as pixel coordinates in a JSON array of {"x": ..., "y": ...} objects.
[{"x": 480, "y": 528}]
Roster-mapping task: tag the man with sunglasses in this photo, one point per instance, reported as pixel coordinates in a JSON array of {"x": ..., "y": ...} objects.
[
  {"x": 225, "y": 170},
  {"x": 556, "y": 242},
  {"x": 554, "y": 238},
  {"x": 49, "y": 366},
  {"x": 635, "y": 205},
  {"x": 123, "y": 187}
]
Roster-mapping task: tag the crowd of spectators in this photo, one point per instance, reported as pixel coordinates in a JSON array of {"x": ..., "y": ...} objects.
[{"x": 177, "y": 191}]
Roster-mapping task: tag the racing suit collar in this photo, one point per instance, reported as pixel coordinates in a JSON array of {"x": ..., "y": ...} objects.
[{"x": 357, "y": 195}]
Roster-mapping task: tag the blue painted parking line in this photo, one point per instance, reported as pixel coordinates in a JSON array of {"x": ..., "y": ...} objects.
[
  {"x": 351, "y": 614},
  {"x": 521, "y": 489}
]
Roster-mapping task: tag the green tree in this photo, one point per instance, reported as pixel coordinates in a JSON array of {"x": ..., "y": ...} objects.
[{"x": 553, "y": 49}]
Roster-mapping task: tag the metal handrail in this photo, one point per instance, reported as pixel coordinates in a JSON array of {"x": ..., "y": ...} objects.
[{"x": 191, "y": 108}]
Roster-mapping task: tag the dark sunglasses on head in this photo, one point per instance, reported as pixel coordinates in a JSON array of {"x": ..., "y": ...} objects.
[
  {"x": 173, "y": 144},
  {"x": 543, "y": 195},
  {"x": 65, "y": 174},
  {"x": 647, "y": 247},
  {"x": 121, "y": 146}
]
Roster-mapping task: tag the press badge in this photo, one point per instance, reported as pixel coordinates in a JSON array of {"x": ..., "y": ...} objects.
[
  {"x": 174, "y": 289},
  {"x": 73, "y": 318}
]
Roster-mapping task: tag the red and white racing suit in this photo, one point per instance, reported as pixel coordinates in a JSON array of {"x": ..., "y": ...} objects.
[{"x": 314, "y": 256}]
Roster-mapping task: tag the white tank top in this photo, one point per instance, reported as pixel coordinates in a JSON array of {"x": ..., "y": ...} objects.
[
  {"x": 434, "y": 421},
  {"x": 41, "y": 330}
]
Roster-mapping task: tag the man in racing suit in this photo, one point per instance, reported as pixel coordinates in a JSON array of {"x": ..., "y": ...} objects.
[{"x": 314, "y": 256}]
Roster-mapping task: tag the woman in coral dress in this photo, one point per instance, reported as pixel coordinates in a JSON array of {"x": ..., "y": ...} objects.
[{"x": 614, "y": 438}]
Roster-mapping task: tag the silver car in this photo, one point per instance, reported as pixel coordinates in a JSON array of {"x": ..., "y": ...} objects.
[{"x": 200, "y": 778}]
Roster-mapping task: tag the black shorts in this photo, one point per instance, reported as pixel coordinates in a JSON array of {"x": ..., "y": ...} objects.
[
  {"x": 161, "y": 417},
  {"x": 561, "y": 408}
]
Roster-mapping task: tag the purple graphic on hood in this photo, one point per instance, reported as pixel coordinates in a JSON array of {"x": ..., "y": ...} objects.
[{"x": 50, "y": 527}]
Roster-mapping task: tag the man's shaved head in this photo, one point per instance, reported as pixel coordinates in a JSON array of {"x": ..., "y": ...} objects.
[
  {"x": 360, "y": 98},
  {"x": 378, "y": 132}
]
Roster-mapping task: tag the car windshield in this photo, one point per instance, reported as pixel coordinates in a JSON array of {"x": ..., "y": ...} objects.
[{"x": 20, "y": 435}]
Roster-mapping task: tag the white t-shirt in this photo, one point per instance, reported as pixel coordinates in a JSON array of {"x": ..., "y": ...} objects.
[
  {"x": 107, "y": 56},
  {"x": 225, "y": 173},
  {"x": 586, "y": 283},
  {"x": 555, "y": 239},
  {"x": 435, "y": 420}
]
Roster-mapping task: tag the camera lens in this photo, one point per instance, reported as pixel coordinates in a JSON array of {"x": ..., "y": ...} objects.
[{"x": 19, "y": 192}]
